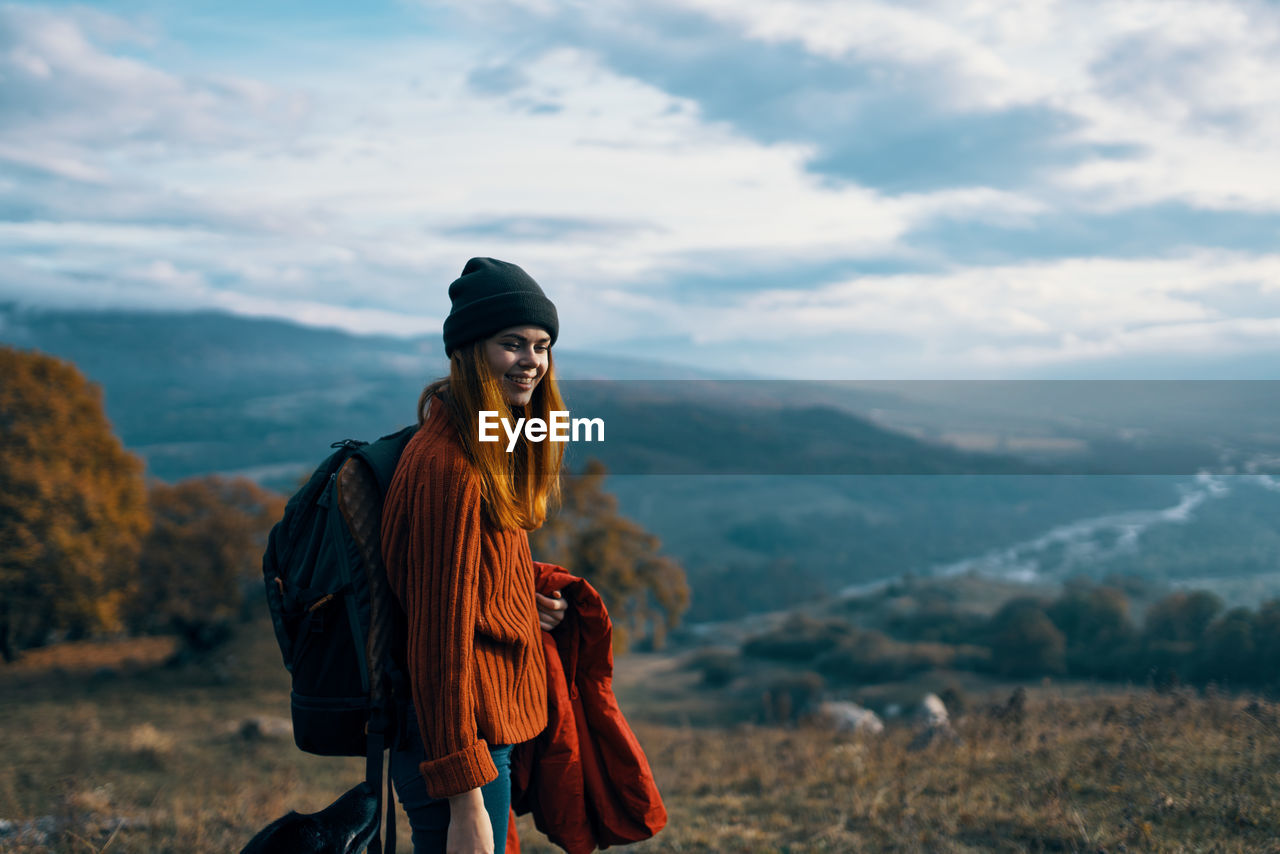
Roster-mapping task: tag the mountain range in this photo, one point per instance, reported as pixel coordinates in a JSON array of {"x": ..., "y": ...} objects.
[{"x": 769, "y": 492}]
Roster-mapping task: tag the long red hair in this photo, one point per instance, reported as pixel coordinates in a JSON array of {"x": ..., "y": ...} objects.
[{"x": 517, "y": 487}]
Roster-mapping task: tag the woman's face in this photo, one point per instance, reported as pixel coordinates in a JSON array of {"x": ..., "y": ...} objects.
[{"x": 518, "y": 357}]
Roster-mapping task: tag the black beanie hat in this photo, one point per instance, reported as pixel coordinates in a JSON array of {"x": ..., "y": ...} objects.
[{"x": 491, "y": 295}]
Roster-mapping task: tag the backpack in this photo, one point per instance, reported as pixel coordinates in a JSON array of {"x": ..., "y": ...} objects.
[{"x": 340, "y": 629}]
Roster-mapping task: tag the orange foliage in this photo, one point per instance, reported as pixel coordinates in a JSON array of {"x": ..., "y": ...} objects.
[
  {"x": 204, "y": 550},
  {"x": 73, "y": 505},
  {"x": 645, "y": 592}
]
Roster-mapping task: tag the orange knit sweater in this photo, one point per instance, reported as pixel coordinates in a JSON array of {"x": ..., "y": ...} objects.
[{"x": 474, "y": 652}]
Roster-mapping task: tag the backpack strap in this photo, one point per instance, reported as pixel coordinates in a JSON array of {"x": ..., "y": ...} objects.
[
  {"x": 373, "y": 774},
  {"x": 391, "y": 814},
  {"x": 360, "y": 486},
  {"x": 381, "y": 457},
  {"x": 360, "y": 502}
]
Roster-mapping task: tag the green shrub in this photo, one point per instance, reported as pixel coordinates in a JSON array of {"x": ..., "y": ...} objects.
[
  {"x": 785, "y": 698},
  {"x": 799, "y": 639},
  {"x": 718, "y": 667},
  {"x": 875, "y": 657},
  {"x": 1024, "y": 641}
]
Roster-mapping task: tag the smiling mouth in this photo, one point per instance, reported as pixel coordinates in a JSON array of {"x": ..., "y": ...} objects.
[{"x": 522, "y": 382}]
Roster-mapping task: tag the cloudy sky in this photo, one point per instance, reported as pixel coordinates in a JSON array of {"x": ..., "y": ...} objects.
[{"x": 852, "y": 190}]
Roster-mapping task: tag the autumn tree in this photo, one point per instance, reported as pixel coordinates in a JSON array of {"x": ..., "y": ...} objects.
[
  {"x": 73, "y": 506},
  {"x": 1229, "y": 650},
  {"x": 1266, "y": 630},
  {"x": 204, "y": 549},
  {"x": 1099, "y": 634},
  {"x": 1024, "y": 641},
  {"x": 645, "y": 591},
  {"x": 1173, "y": 633},
  {"x": 1182, "y": 617}
]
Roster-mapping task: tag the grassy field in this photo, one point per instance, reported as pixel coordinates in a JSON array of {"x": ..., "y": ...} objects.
[{"x": 106, "y": 755}]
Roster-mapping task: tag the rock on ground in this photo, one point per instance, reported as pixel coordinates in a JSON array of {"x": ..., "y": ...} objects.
[
  {"x": 265, "y": 727},
  {"x": 843, "y": 716}
]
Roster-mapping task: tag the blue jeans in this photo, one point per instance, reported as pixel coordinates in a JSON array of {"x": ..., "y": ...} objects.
[{"x": 428, "y": 816}]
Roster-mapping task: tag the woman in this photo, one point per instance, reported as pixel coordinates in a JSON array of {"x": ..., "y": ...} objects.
[{"x": 455, "y": 542}]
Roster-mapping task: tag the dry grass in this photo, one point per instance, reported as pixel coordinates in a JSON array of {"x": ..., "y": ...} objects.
[
  {"x": 1144, "y": 774},
  {"x": 1129, "y": 772},
  {"x": 81, "y": 658}
]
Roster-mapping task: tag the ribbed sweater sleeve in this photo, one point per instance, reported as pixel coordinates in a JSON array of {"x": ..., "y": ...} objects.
[{"x": 441, "y": 543}]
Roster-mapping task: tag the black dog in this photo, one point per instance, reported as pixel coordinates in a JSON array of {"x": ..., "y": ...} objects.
[{"x": 343, "y": 827}]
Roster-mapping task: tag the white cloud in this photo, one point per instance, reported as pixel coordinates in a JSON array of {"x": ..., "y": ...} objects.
[
  {"x": 1192, "y": 86},
  {"x": 350, "y": 195},
  {"x": 312, "y": 313},
  {"x": 1010, "y": 316},
  {"x": 968, "y": 69},
  {"x": 166, "y": 275},
  {"x": 52, "y": 160},
  {"x": 62, "y": 84},
  {"x": 363, "y": 204}
]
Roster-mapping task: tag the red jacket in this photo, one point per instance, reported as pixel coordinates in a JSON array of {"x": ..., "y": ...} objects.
[{"x": 585, "y": 777}]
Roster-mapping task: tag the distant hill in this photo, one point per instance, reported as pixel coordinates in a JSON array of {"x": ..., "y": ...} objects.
[
  {"x": 738, "y": 479},
  {"x": 201, "y": 392}
]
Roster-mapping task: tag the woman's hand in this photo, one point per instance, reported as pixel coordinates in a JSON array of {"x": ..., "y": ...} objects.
[
  {"x": 550, "y": 609},
  {"x": 470, "y": 831}
]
